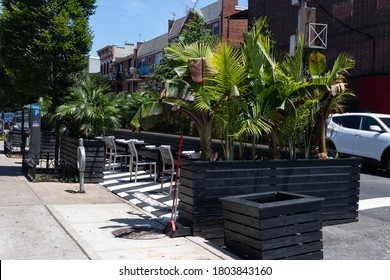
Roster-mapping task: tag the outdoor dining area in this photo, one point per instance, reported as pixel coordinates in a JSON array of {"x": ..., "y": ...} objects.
[
  {"x": 144, "y": 172},
  {"x": 139, "y": 158}
]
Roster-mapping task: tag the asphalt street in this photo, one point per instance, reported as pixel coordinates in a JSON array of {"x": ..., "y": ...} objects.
[{"x": 369, "y": 238}]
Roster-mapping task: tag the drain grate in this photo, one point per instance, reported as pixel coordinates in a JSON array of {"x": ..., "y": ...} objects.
[{"x": 139, "y": 233}]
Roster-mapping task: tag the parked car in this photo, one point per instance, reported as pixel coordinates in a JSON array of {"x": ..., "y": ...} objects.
[
  {"x": 17, "y": 121},
  {"x": 366, "y": 135},
  {"x": 8, "y": 118}
]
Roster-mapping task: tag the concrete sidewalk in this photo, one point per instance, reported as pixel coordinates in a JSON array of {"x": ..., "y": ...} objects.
[{"x": 44, "y": 221}]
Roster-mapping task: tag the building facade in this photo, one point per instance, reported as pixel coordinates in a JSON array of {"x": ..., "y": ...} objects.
[
  {"x": 110, "y": 54},
  {"x": 359, "y": 27},
  {"x": 93, "y": 65},
  {"x": 217, "y": 20},
  {"x": 130, "y": 66}
]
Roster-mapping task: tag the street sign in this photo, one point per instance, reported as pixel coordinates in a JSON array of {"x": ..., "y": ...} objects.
[{"x": 35, "y": 132}]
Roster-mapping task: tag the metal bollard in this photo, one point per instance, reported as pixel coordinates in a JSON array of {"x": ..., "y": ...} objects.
[{"x": 81, "y": 161}]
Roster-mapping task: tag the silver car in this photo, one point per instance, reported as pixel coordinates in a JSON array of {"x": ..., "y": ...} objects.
[{"x": 365, "y": 135}]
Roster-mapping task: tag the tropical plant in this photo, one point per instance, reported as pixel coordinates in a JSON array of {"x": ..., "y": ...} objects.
[
  {"x": 276, "y": 83},
  {"x": 227, "y": 123},
  {"x": 193, "y": 31},
  {"x": 208, "y": 76},
  {"x": 164, "y": 70},
  {"x": 130, "y": 102},
  {"x": 89, "y": 110},
  {"x": 330, "y": 98}
]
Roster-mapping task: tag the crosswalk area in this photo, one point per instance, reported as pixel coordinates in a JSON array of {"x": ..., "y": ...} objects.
[{"x": 145, "y": 193}]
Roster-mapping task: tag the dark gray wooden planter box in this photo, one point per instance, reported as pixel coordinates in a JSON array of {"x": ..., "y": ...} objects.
[
  {"x": 203, "y": 183},
  {"x": 95, "y": 158},
  {"x": 47, "y": 156},
  {"x": 273, "y": 225}
]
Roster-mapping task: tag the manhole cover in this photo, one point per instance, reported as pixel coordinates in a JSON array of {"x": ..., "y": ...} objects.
[{"x": 139, "y": 232}]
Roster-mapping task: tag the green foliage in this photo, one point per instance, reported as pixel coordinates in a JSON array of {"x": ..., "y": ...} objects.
[
  {"x": 89, "y": 110},
  {"x": 195, "y": 31},
  {"x": 247, "y": 93},
  {"x": 164, "y": 71},
  {"x": 329, "y": 90},
  {"x": 3, "y": 137},
  {"x": 208, "y": 76},
  {"x": 317, "y": 64},
  {"x": 41, "y": 43},
  {"x": 129, "y": 103}
]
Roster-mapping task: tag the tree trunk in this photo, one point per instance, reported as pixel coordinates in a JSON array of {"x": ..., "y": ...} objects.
[
  {"x": 206, "y": 141},
  {"x": 274, "y": 145},
  {"x": 322, "y": 152}
]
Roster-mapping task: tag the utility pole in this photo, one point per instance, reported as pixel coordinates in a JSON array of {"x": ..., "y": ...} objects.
[
  {"x": 314, "y": 34},
  {"x": 306, "y": 15}
]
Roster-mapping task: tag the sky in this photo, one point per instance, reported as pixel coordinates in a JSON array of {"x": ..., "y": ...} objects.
[{"x": 118, "y": 21}]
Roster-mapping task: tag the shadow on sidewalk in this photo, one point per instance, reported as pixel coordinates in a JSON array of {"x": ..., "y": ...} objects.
[{"x": 11, "y": 171}]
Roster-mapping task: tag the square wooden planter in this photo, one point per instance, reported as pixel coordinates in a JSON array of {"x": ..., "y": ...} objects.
[
  {"x": 273, "y": 225},
  {"x": 203, "y": 183}
]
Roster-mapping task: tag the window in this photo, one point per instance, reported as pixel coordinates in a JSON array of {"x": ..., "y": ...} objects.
[
  {"x": 382, "y": 4},
  {"x": 141, "y": 62},
  {"x": 367, "y": 121},
  {"x": 343, "y": 10},
  {"x": 157, "y": 58},
  {"x": 215, "y": 29},
  {"x": 352, "y": 122},
  {"x": 386, "y": 121}
]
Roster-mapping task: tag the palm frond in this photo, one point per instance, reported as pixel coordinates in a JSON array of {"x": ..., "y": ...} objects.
[{"x": 343, "y": 63}]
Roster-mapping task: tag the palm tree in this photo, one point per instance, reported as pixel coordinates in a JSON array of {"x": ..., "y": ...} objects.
[
  {"x": 208, "y": 76},
  {"x": 276, "y": 82},
  {"x": 88, "y": 110},
  {"x": 330, "y": 99}
]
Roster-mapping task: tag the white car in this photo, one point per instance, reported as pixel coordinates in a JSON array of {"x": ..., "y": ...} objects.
[{"x": 365, "y": 135}]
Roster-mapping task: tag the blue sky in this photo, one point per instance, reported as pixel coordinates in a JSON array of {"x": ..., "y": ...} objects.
[{"x": 117, "y": 21}]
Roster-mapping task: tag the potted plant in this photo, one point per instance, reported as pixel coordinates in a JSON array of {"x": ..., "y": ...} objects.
[
  {"x": 208, "y": 77},
  {"x": 261, "y": 90},
  {"x": 88, "y": 111}
]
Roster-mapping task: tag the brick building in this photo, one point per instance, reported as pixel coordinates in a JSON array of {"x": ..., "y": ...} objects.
[
  {"x": 110, "y": 54},
  {"x": 132, "y": 70},
  {"x": 359, "y": 27},
  {"x": 127, "y": 72},
  {"x": 217, "y": 20}
]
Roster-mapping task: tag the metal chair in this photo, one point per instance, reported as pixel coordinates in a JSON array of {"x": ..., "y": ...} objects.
[
  {"x": 113, "y": 154},
  {"x": 134, "y": 160},
  {"x": 168, "y": 165}
]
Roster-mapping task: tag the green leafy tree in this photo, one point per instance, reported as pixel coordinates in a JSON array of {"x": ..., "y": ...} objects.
[
  {"x": 165, "y": 70},
  {"x": 7, "y": 92},
  {"x": 42, "y": 42},
  {"x": 195, "y": 31}
]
